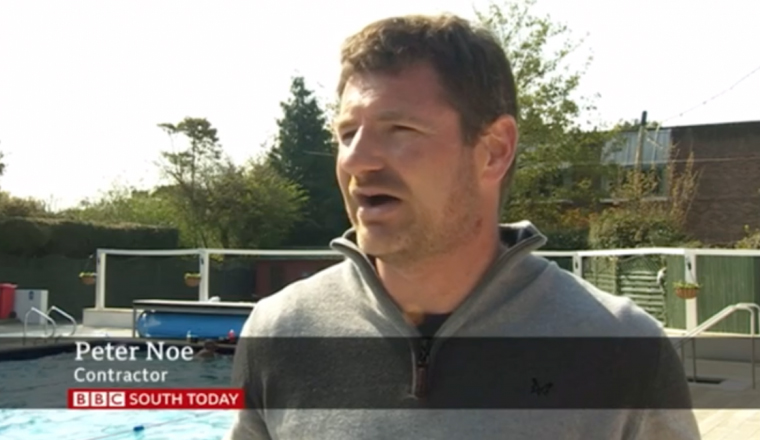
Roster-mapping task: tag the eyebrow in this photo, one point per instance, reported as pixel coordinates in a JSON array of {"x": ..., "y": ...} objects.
[{"x": 385, "y": 116}]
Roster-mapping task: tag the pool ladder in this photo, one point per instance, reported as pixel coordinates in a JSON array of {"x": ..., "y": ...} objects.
[
  {"x": 754, "y": 330},
  {"x": 47, "y": 319}
]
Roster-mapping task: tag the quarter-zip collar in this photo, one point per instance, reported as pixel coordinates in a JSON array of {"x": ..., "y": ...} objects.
[{"x": 517, "y": 240}]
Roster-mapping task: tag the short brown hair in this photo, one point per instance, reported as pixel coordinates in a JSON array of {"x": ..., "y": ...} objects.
[{"x": 470, "y": 62}]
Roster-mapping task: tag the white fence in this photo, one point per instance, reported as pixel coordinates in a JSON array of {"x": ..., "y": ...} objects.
[{"x": 690, "y": 266}]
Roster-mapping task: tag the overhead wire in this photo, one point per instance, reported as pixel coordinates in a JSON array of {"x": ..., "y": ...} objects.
[{"x": 708, "y": 100}]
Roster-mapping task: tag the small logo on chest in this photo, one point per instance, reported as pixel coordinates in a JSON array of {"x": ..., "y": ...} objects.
[{"x": 540, "y": 389}]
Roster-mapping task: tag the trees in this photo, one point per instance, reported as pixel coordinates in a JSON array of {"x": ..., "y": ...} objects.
[
  {"x": 216, "y": 203},
  {"x": 192, "y": 171},
  {"x": 11, "y": 206},
  {"x": 304, "y": 153},
  {"x": 561, "y": 160},
  {"x": 254, "y": 206},
  {"x": 558, "y": 159},
  {"x": 640, "y": 217},
  {"x": 125, "y": 204},
  {"x": 212, "y": 201}
]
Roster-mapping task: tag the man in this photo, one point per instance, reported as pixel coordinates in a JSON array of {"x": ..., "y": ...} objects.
[
  {"x": 209, "y": 350},
  {"x": 427, "y": 140}
]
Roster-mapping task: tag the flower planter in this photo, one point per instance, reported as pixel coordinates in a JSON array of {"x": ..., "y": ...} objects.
[
  {"x": 687, "y": 292},
  {"x": 88, "y": 280},
  {"x": 192, "y": 281}
]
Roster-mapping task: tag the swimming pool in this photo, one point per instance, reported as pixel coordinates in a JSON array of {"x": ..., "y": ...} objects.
[
  {"x": 112, "y": 425},
  {"x": 25, "y": 384}
]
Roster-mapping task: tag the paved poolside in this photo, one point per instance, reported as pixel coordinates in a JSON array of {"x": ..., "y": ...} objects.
[
  {"x": 719, "y": 423},
  {"x": 715, "y": 424}
]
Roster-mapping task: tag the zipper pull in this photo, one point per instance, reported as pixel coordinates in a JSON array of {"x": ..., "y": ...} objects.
[{"x": 421, "y": 376}]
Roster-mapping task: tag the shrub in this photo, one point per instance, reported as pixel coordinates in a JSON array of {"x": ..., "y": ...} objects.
[
  {"x": 617, "y": 228},
  {"x": 750, "y": 241}
]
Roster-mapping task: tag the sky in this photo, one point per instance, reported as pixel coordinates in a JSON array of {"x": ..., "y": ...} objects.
[{"x": 83, "y": 84}]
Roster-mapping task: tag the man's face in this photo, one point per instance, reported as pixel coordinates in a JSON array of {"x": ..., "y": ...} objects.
[{"x": 409, "y": 183}]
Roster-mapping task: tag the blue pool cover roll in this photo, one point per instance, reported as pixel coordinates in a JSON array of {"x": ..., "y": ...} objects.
[{"x": 172, "y": 325}]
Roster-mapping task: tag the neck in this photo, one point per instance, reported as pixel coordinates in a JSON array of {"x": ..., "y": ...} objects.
[{"x": 440, "y": 283}]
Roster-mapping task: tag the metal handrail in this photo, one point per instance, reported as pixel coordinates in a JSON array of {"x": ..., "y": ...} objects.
[
  {"x": 754, "y": 311},
  {"x": 65, "y": 315},
  {"x": 47, "y": 319},
  {"x": 716, "y": 319}
]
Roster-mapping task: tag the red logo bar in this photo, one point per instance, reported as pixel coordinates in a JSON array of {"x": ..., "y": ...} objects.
[{"x": 155, "y": 398}]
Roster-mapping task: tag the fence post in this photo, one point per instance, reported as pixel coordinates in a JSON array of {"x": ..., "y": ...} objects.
[
  {"x": 205, "y": 265},
  {"x": 100, "y": 280},
  {"x": 690, "y": 276},
  {"x": 577, "y": 264}
]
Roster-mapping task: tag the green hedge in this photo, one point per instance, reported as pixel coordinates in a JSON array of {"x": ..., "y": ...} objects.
[{"x": 36, "y": 237}]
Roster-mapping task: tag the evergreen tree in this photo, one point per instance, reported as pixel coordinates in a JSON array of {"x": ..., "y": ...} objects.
[{"x": 304, "y": 153}]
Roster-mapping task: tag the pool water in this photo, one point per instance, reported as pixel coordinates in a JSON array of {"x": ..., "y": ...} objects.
[
  {"x": 42, "y": 383},
  {"x": 21, "y": 424},
  {"x": 26, "y": 386}
]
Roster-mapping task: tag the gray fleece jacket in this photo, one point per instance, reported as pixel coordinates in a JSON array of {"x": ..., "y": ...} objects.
[{"x": 533, "y": 353}]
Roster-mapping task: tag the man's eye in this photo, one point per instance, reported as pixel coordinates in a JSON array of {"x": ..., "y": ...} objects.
[{"x": 347, "y": 136}]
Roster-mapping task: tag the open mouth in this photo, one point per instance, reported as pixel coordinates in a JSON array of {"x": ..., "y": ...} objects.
[{"x": 376, "y": 200}]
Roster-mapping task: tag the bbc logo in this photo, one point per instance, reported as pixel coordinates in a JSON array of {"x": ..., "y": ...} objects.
[{"x": 99, "y": 399}]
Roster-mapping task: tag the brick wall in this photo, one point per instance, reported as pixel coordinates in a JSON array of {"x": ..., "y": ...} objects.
[{"x": 728, "y": 197}]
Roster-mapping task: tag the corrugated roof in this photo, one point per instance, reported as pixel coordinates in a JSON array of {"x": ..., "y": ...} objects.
[{"x": 656, "y": 148}]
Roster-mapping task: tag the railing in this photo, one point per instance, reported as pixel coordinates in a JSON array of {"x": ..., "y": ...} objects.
[
  {"x": 44, "y": 316},
  {"x": 67, "y": 316},
  {"x": 48, "y": 319},
  {"x": 754, "y": 311}
]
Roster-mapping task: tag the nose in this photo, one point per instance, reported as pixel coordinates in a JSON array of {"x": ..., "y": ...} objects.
[{"x": 362, "y": 154}]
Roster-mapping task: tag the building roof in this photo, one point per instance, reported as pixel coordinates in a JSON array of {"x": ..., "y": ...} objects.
[{"x": 656, "y": 148}]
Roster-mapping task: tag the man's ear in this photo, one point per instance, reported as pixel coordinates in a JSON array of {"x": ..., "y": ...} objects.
[{"x": 498, "y": 147}]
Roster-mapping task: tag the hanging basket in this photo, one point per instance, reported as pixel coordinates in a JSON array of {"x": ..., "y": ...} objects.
[
  {"x": 192, "y": 280},
  {"x": 87, "y": 278},
  {"x": 687, "y": 292}
]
